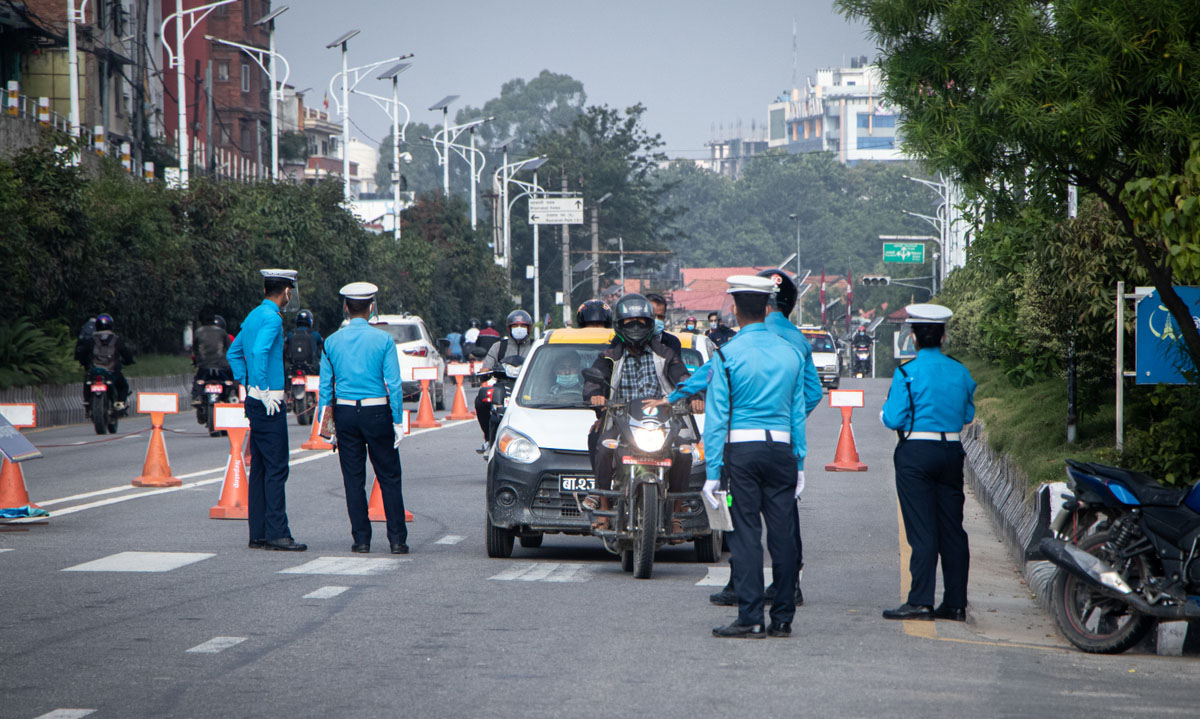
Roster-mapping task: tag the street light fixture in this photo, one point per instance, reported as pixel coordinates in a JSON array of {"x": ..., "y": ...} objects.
[
  {"x": 344, "y": 108},
  {"x": 444, "y": 106},
  {"x": 596, "y": 243},
  {"x": 531, "y": 190},
  {"x": 393, "y": 74},
  {"x": 469, "y": 153}
]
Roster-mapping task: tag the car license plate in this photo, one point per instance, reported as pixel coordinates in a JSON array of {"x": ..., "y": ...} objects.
[
  {"x": 297, "y": 380},
  {"x": 646, "y": 462},
  {"x": 576, "y": 484},
  {"x": 214, "y": 388},
  {"x": 99, "y": 387}
]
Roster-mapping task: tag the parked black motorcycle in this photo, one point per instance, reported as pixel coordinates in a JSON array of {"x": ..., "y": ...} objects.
[
  {"x": 214, "y": 388},
  {"x": 102, "y": 385},
  {"x": 642, "y": 508},
  {"x": 1128, "y": 551}
]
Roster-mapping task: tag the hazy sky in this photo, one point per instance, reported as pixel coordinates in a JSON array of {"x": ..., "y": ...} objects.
[{"x": 694, "y": 63}]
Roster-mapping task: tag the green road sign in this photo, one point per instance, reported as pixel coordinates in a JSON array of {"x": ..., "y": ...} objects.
[{"x": 907, "y": 252}]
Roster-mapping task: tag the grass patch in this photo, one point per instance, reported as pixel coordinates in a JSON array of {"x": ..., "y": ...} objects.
[
  {"x": 1030, "y": 423},
  {"x": 152, "y": 365}
]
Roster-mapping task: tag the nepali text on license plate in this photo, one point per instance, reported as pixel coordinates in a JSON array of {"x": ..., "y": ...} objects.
[
  {"x": 297, "y": 380},
  {"x": 576, "y": 484},
  {"x": 213, "y": 388},
  {"x": 646, "y": 462},
  {"x": 99, "y": 387}
]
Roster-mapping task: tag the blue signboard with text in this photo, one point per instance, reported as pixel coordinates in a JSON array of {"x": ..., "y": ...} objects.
[{"x": 1162, "y": 357}]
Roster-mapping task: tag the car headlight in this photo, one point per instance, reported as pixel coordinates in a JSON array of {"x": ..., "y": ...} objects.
[
  {"x": 649, "y": 440},
  {"x": 518, "y": 447}
]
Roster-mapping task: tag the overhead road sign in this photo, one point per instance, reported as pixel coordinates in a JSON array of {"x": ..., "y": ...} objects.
[
  {"x": 556, "y": 211},
  {"x": 904, "y": 252}
]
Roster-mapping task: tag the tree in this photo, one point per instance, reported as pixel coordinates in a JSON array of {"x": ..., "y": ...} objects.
[
  {"x": 1098, "y": 93},
  {"x": 525, "y": 110}
]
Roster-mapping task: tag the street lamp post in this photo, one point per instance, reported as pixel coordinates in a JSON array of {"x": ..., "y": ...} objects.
[
  {"x": 469, "y": 153},
  {"x": 397, "y": 137},
  {"x": 176, "y": 59},
  {"x": 596, "y": 244},
  {"x": 796, "y": 219},
  {"x": 343, "y": 41},
  {"x": 444, "y": 106},
  {"x": 530, "y": 190}
]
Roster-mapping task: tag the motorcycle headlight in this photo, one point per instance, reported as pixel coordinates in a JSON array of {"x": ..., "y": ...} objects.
[
  {"x": 512, "y": 370},
  {"x": 649, "y": 440},
  {"x": 518, "y": 447}
]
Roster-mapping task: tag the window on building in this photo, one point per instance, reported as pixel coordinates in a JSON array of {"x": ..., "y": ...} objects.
[
  {"x": 245, "y": 77},
  {"x": 877, "y": 143},
  {"x": 775, "y": 121},
  {"x": 223, "y": 71},
  {"x": 876, "y": 121}
]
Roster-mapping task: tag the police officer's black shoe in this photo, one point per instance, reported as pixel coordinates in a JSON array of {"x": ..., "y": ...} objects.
[
  {"x": 284, "y": 544},
  {"x": 954, "y": 614},
  {"x": 399, "y": 548},
  {"x": 910, "y": 611},
  {"x": 769, "y": 595},
  {"x": 740, "y": 631},
  {"x": 361, "y": 548},
  {"x": 780, "y": 629},
  {"x": 726, "y": 597},
  {"x": 257, "y": 544}
]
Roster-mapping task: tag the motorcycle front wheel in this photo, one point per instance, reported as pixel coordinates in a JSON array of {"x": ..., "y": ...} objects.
[
  {"x": 1093, "y": 622},
  {"x": 647, "y": 509}
]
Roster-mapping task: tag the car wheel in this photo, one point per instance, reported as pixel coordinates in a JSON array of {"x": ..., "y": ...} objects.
[
  {"x": 499, "y": 541},
  {"x": 708, "y": 548}
]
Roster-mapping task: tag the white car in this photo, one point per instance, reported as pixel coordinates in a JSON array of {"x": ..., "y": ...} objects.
[
  {"x": 825, "y": 355},
  {"x": 414, "y": 348}
]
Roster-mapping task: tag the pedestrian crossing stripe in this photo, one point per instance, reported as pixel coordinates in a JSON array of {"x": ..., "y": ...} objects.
[
  {"x": 553, "y": 572},
  {"x": 325, "y": 593},
  {"x": 67, "y": 714},
  {"x": 356, "y": 566},
  {"x": 719, "y": 577},
  {"x": 141, "y": 562}
]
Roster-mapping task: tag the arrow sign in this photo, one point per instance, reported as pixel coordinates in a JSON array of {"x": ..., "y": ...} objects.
[
  {"x": 904, "y": 252},
  {"x": 555, "y": 211}
]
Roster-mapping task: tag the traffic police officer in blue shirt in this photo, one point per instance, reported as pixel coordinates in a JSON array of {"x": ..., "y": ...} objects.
[
  {"x": 755, "y": 432},
  {"x": 360, "y": 375},
  {"x": 931, "y": 398},
  {"x": 256, "y": 358}
]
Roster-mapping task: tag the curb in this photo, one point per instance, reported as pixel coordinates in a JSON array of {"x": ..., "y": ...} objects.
[{"x": 1022, "y": 519}]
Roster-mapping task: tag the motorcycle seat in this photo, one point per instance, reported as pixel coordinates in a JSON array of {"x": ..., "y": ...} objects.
[{"x": 1146, "y": 488}]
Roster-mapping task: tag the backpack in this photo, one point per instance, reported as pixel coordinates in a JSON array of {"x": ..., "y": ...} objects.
[
  {"x": 104, "y": 351},
  {"x": 210, "y": 347},
  {"x": 301, "y": 348}
]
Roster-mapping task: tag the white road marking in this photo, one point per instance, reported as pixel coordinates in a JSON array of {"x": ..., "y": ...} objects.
[
  {"x": 450, "y": 539},
  {"x": 357, "y": 566},
  {"x": 66, "y": 714},
  {"x": 216, "y": 645},
  {"x": 325, "y": 593},
  {"x": 716, "y": 577},
  {"x": 543, "y": 572},
  {"x": 141, "y": 562},
  {"x": 6, "y": 549}
]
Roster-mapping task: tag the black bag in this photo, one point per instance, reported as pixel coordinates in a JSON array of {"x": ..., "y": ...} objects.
[
  {"x": 301, "y": 348},
  {"x": 104, "y": 351}
]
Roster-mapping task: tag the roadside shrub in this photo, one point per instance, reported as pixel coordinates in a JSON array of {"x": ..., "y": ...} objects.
[
  {"x": 31, "y": 355},
  {"x": 1162, "y": 425}
]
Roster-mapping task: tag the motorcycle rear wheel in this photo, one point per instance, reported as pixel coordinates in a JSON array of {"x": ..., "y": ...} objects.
[
  {"x": 648, "y": 509},
  {"x": 1093, "y": 622},
  {"x": 100, "y": 412}
]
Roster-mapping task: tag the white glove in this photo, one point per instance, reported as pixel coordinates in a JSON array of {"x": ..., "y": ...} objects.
[
  {"x": 399, "y": 434},
  {"x": 272, "y": 405},
  {"x": 799, "y": 482},
  {"x": 710, "y": 487},
  {"x": 271, "y": 399}
]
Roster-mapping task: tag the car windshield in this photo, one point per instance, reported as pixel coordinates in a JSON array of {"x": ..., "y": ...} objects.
[
  {"x": 402, "y": 333},
  {"x": 693, "y": 359},
  {"x": 820, "y": 343},
  {"x": 552, "y": 379}
]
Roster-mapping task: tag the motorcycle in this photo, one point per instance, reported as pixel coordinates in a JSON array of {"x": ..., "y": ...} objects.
[
  {"x": 214, "y": 388},
  {"x": 497, "y": 394},
  {"x": 102, "y": 386},
  {"x": 1128, "y": 552},
  {"x": 862, "y": 361},
  {"x": 304, "y": 403},
  {"x": 642, "y": 508}
]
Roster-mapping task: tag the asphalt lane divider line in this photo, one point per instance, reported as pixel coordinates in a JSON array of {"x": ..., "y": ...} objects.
[
  {"x": 553, "y": 572},
  {"x": 216, "y": 645},
  {"x": 354, "y": 566},
  {"x": 67, "y": 714},
  {"x": 141, "y": 562},
  {"x": 325, "y": 593},
  {"x": 450, "y": 539}
]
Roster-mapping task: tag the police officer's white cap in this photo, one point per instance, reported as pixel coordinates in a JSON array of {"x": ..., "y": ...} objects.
[
  {"x": 750, "y": 284},
  {"x": 276, "y": 274},
  {"x": 359, "y": 291},
  {"x": 927, "y": 314}
]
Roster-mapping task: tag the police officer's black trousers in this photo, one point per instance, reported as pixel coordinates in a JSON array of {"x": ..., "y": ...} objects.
[
  {"x": 363, "y": 432},
  {"x": 762, "y": 479},
  {"x": 267, "y": 507},
  {"x": 929, "y": 483}
]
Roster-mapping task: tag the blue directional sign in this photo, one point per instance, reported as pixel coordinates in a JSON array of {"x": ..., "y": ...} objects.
[{"x": 1162, "y": 357}]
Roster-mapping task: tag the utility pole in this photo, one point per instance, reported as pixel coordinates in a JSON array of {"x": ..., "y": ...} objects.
[
  {"x": 596, "y": 251},
  {"x": 566, "y": 242},
  {"x": 209, "y": 165}
]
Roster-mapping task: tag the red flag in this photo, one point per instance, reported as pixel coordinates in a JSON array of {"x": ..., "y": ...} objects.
[
  {"x": 326, "y": 102},
  {"x": 849, "y": 296},
  {"x": 822, "y": 297}
]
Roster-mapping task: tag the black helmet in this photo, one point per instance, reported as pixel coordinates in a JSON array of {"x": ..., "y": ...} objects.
[
  {"x": 629, "y": 308},
  {"x": 474, "y": 322},
  {"x": 219, "y": 321},
  {"x": 518, "y": 317},
  {"x": 784, "y": 298},
  {"x": 488, "y": 323},
  {"x": 104, "y": 322},
  {"x": 304, "y": 319},
  {"x": 594, "y": 311}
]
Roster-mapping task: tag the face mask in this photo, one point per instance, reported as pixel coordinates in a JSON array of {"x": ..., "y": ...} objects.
[
  {"x": 659, "y": 326},
  {"x": 690, "y": 328},
  {"x": 712, "y": 325},
  {"x": 567, "y": 380},
  {"x": 519, "y": 333}
]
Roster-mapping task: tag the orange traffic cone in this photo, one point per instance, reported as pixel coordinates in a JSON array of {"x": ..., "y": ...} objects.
[
  {"x": 846, "y": 457},
  {"x": 459, "y": 409},
  {"x": 235, "y": 492},
  {"x": 425, "y": 418},
  {"x": 156, "y": 472},
  {"x": 12, "y": 486},
  {"x": 375, "y": 507},
  {"x": 315, "y": 440}
]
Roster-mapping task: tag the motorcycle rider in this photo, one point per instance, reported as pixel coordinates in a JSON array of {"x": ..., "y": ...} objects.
[
  {"x": 640, "y": 366},
  {"x": 594, "y": 313},
  {"x": 108, "y": 351},
  {"x": 861, "y": 340},
  {"x": 659, "y": 304},
  {"x": 209, "y": 346},
  {"x": 303, "y": 346},
  {"x": 518, "y": 342},
  {"x": 689, "y": 325},
  {"x": 469, "y": 338},
  {"x": 717, "y": 331}
]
